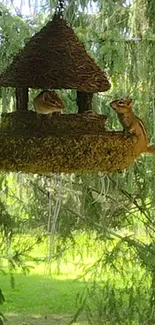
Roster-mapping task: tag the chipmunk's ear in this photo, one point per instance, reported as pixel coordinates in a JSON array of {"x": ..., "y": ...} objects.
[
  {"x": 46, "y": 96},
  {"x": 129, "y": 101}
]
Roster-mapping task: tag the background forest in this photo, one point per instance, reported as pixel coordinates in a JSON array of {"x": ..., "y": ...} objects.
[{"x": 86, "y": 242}]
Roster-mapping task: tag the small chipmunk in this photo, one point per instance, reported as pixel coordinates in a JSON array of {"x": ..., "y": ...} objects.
[
  {"x": 131, "y": 123},
  {"x": 48, "y": 102}
]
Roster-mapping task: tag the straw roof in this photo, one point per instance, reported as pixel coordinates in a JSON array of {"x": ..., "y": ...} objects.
[{"x": 55, "y": 58}]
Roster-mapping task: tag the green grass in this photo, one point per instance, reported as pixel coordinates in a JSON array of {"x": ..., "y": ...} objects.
[
  {"x": 117, "y": 293},
  {"x": 34, "y": 294},
  {"x": 36, "y": 297}
]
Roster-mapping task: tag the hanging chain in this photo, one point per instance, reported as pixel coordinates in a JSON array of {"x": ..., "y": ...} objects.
[{"x": 60, "y": 8}]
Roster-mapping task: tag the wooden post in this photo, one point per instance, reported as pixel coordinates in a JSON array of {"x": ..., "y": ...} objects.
[
  {"x": 21, "y": 99},
  {"x": 84, "y": 101}
]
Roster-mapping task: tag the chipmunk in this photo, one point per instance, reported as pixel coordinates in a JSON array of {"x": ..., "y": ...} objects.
[
  {"x": 131, "y": 123},
  {"x": 48, "y": 102}
]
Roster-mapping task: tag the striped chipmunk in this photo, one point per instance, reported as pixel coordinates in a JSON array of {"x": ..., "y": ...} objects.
[
  {"x": 131, "y": 123},
  {"x": 48, "y": 102}
]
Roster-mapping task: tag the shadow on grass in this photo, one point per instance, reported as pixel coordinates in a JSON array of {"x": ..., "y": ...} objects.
[{"x": 20, "y": 319}]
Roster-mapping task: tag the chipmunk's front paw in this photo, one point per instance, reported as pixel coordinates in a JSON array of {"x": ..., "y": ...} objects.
[{"x": 90, "y": 112}]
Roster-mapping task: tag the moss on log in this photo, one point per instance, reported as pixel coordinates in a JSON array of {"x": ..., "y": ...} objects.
[{"x": 63, "y": 143}]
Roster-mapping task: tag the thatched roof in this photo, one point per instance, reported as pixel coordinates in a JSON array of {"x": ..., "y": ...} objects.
[{"x": 55, "y": 58}]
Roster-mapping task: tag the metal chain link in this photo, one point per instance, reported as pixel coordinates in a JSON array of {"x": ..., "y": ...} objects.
[{"x": 60, "y": 8}]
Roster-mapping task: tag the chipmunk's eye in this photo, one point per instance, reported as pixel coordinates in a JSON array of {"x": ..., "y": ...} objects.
[{"x": 47, "y": 97}]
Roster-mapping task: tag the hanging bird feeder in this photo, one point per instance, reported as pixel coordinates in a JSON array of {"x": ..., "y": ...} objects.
[{"x": 54, "y": 58}]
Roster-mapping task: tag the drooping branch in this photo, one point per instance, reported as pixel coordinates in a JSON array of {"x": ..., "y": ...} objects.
[{"x": 65, "y": 143}]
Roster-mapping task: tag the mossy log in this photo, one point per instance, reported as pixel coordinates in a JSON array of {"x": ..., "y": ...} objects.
[{"x": 63, "y": 143}]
